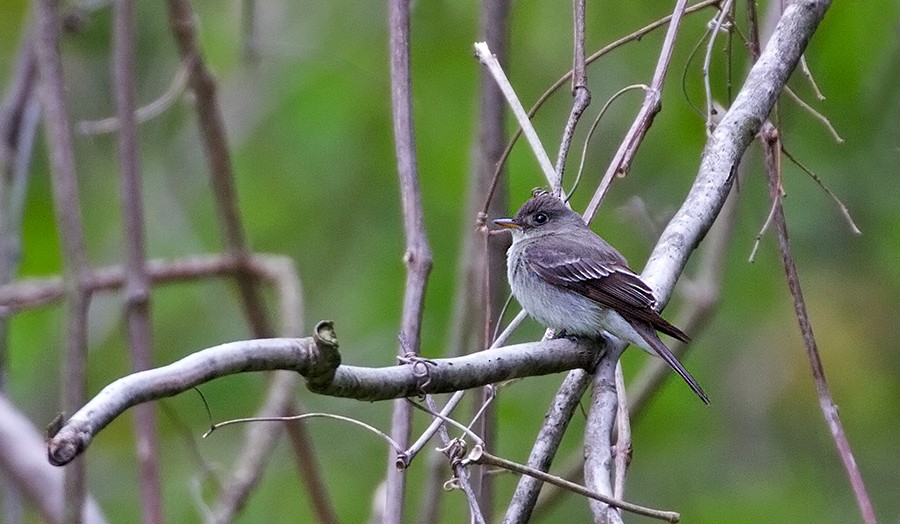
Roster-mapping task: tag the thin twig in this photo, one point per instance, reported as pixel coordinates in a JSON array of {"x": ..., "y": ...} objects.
[
  {"x": 840, "y": 204},
  {"x": 808, "y": 74},
  {"x": 144, "y": 113},
  {"x": 480, "y": 456},
  {"x": 686, "y": 70},
  {"x": 221, "y": 171},
  {"x": 71, "y": 231},
  {"x": 467, "y": 430},
  {"x": 623, "y": 435},
  {"x": 762, "y": 230},
  {"x": 580, "y": 92},
  {"x": 815, "y": 114},
  {"x": 707, "y": 60},
  {"x": 137, "y": 283},
  {"x": 372, "y": 429},
  {"x": 621, "y": 162},
  {"x": 753, "y": 42},
  {"x": 593, "y": 127},
  {"x": 634, "y": 36},
  {"x": 772, "y": 141},
  {"x": 484, "y": 55},
  {"x": 418, "y": 252}
]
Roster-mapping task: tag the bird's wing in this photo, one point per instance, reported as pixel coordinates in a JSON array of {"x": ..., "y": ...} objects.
[{"x": 597, "y": 271}]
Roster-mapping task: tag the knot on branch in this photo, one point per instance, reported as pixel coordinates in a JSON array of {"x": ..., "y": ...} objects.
[
  {"x": 67, "y": 443},
  {"x": 327, "y": 358},
  {"x": 420, "y": 369}
]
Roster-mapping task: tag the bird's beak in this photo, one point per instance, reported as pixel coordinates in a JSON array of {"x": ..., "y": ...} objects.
[{"x": 507, "y": 223}]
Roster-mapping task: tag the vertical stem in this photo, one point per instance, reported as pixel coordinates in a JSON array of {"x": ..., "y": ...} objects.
[
  {"x": 71, "y": 232},
  {"x": 772, "y": 140},
  {"x": 18, "y": 126},
  {"x": 215, "y": 142},
  {"x": 580, "y": 92},
  {"x": 137, "y": 283},
  {"x": 621, "y": 162},
  {"x": 418, "y": 252},
  {"x": 18, "y": 119},
  {"x": 486, "y": 259},
  {"x": 557, "y": 419},
  {"x": 598, "y": 434},
  {"x": 212, "y": 131}
]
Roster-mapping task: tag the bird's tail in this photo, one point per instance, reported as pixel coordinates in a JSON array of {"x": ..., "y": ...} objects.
[{"x": 647, "y": 332}]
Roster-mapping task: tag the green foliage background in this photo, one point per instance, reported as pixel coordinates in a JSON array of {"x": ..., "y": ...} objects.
[{"x": 309, "y": 126}]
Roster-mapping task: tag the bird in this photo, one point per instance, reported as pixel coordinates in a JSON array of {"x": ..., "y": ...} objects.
[{"x": 571, "y": 280}]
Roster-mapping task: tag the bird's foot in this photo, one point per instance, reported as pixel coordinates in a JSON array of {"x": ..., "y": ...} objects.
[{"x": 562, "y": 333}]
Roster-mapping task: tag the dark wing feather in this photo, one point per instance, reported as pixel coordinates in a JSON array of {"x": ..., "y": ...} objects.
[{"x": 597, "y": 271}]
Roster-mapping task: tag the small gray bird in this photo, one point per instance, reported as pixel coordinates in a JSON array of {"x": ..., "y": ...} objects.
[{"x": 569, "y": 279}]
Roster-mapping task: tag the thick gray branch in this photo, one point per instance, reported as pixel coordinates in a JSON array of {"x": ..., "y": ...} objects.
[
  {"x": 728, "y": 143},
  {"x": 315, "y": 358}
]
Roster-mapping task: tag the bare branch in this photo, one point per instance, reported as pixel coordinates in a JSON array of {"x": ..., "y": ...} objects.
[
  {"x": 315, "y": 358},
  {"x": 621, "y": 162},
  {"x": 580, "y": 91},
  {"x": 598, "y": 433},
  {"x": 557, "y": 419},
  {"x": 623, "y": 435},
  {"x": 38, "y": 292},
  {"x": 137, "y": 284},
  {"x": 418, "y": 252},
  {"x": 480, "y": 456},
  {"x": 772, "y": 141},
  {"x": 69, "y": 224},
  {"x": 728, "y": 142},
  {"x": 215, "y": 142},
  {"x": 484, "y": 55},
  {"x": 144, "y": 113}
]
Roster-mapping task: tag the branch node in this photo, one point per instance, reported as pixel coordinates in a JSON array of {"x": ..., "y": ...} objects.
[
  {"x": 69, "y": 442},
  {"x": 327, "y": 359}
]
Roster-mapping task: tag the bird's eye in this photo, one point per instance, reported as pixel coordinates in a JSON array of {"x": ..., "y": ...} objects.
[{"x": 541, "y": 218}]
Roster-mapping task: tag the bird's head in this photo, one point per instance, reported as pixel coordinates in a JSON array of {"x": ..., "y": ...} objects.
[{"x": 543, "y": 214}]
